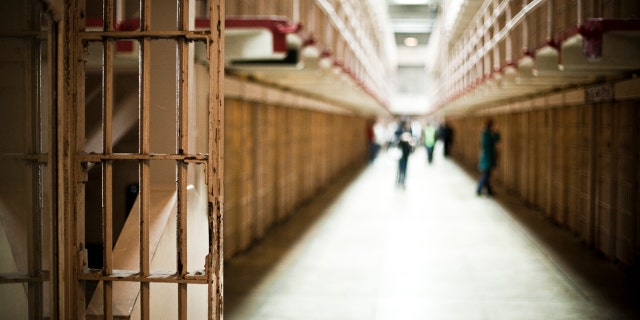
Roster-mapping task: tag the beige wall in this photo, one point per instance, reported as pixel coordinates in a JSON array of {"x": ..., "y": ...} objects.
[
  {"x": 578, "y": 161},
  {"x": 278, "y": 157}
]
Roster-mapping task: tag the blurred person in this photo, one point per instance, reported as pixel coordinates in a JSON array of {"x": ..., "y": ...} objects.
[
  {"x": 405, "y": 143},
  {"x": 445, "y": 134},
  {"x": 374, "y": 146},
  {"x": 487, "y": 161},
  {"x": 402, "y": 126},
  {"x": 429, "y": 138}
]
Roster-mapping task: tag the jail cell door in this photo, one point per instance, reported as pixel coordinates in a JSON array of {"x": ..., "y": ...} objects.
[
  {"x": 27, "y": 162},
  {"x": 149, "y": 149}
]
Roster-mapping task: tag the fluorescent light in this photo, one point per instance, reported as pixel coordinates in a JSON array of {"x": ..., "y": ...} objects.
[
  {"x": 408, "y": 2},
  {"x": 410, "y": 42}
]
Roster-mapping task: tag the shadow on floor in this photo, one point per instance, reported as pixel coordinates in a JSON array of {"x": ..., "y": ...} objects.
[
  {"x": 279, "y": 241},
  {"x": 592, "y": 274}
]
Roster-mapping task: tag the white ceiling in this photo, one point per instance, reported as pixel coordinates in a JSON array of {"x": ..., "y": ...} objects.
[{"x": 412, "y": 19}]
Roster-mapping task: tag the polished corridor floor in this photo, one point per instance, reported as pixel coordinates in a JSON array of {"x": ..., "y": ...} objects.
[{"x": 367, "y": 250}]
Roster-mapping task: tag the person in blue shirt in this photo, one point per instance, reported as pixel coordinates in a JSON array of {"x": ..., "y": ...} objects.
[{"x": 488, "y": 140}]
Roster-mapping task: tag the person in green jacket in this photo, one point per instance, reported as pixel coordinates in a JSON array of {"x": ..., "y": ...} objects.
[
  {"x": 488, "y": 140},
  {"x": 429, "y": 140}
]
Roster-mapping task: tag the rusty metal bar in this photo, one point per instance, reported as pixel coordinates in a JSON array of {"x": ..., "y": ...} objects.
[
  {"x": 99, "y": 36},
  {"x": 144, "y": 148},
  {"x": 42, "y": 275},
  {"x": 32, "y": 135},
  {"x": 215, "y": 170},
  {"x": 97, "y": 157},
  {"x": 197, "y": 277},
  {"x": 107, "y": 166},
  {"x": 74, "y": 245},
  {"x": 49, "y": 151},
  {"x": 183, "y": 147}
]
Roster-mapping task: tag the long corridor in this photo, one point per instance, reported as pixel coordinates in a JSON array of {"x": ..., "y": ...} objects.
[{"x": 367, "y": 250}]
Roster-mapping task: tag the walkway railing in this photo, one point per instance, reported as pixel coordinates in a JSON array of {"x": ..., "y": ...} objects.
[
  {"x": 353, "y": 38},
  {"x": 526, "y": 46}
]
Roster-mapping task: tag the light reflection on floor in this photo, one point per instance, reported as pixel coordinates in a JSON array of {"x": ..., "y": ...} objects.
[{"x": 434, "y": 250}]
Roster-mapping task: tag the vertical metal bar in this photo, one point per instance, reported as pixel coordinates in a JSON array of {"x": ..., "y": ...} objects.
[
  {"x": 295, "y": 17},
  {"x": 120, "y": 11},
  {"x": 183, "y": 145},
  {"x": 52, "y": 165},
  {"x": 508, "y": 44},
  {"x": 144, "y": 148},
  {"x": 495, "y": 65},
  {"x": 485, "y": 44},
  {"x": 579, "y": 12},
  {"x": 215, "y": 169},
  {"x": 525, "y": 30},
  {"x": 74, "y": 134},
  {"x": 32, "y": 137},
  {"x": 550, "y": 20},
  {"x": 311, "y": 15},
  {"x": 107, "y": 166}
]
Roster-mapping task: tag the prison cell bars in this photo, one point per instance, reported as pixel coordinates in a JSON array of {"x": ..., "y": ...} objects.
[
  {"x": 183, "y": 148},
  {"x": 37, "y": 157},
  {"x": 107, "y": 165},
  {"x": 145, "y": 148},
  {"x": 212, "y": 274},
  {"x": 39, "y": 189},
  {"x": 215, "y": 166}
]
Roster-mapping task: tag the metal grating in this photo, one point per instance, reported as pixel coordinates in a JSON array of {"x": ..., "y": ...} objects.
[{"x": 171, "y": 157}]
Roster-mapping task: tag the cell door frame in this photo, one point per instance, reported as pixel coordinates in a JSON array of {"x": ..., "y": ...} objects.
[{"x": 75, "y": 161}]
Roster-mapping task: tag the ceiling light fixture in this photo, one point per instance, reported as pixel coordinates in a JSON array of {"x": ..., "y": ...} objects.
[
  {"x": 410, "y": 2},
  {"x": 410, "y": 42}
]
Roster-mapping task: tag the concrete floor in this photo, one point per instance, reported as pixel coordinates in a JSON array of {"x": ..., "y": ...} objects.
[{"x": 367, "y": 250}]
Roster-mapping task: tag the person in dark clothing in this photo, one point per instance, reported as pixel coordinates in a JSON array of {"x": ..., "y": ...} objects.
[
  {"x": 402, "y": 127},
  {"x": 487, "y": 162},
  {"x": 445, "y": 134},
  {"x": 406, "y": 147},
  {"x": 373, "y": 145}
]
